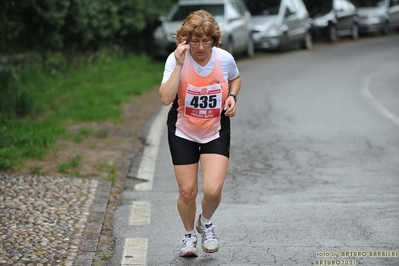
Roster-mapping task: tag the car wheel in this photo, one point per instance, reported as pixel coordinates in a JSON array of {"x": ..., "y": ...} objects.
[
  {"x": 250, "y": 48},
  {"x": 385, "y": 28},
  {"x": 283, "y": 43},
  {"x": 307, "y": 42},
  {"x": 332, "y": 33},
  {"x": 355, "y": 32}
]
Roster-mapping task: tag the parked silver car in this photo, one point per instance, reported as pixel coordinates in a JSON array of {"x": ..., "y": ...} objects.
[
  {"x": 378, "y": 16},
  {"x": 333, "y": 18},
  {"x": 279, "y": 23},
  {"x": 232, "y": 16}
]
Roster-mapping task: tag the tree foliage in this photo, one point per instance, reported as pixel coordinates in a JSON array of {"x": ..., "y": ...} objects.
[{"x": 76, "y": 25}]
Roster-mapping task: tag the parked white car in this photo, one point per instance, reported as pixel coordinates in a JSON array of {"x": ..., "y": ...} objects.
[
  {"x": 332, "y": 19},
  {"x": 378, "y": 16},
  {"x": 232, "y": 16},
  {"x": 278, "y": 24}
]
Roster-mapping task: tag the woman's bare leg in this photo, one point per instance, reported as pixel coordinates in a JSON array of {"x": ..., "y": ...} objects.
[
  {"x": 187, "y": 180},
  {"x": 214, "y": 170}
]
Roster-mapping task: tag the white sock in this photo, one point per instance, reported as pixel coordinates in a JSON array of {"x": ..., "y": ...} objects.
[
  {"x": 192, "y": 232},
  {"x": 205, "y": 221}
]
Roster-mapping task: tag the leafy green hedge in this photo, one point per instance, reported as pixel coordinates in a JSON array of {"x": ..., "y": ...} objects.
[
  {"x": 91, "y": 90},
  {"x": 69, "y": 60},
  {"x": 70, "y": 25}
]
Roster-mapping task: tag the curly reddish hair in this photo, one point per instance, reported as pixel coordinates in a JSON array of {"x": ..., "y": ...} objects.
[{"x": 198, "y": 23}]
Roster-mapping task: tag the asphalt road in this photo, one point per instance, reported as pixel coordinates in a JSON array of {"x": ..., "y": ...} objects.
[{"x": 314, "y": 171}]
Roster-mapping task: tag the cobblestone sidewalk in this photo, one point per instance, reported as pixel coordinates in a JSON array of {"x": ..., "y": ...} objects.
[{"x": 50, "y": 220}]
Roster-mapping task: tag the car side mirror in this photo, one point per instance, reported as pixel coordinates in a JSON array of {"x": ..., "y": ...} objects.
[
  {"x": 159, "y": 21},
  {"x": 232, "y": 18},
  {"x": 288, "y": 12}
]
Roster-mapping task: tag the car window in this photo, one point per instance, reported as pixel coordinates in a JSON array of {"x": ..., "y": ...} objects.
[
  {"x": 394, "y": 3},
  {"x": 316, "y": 7},
  {"x": 180, "y": 12},
  {"x": 371, "y": 3},
  {"x": 263, "y": 8}
]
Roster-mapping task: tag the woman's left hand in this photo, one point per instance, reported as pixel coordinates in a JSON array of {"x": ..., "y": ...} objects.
[
  {"x": 231, "y": 102},
  {"x": 230, "y": 107}
]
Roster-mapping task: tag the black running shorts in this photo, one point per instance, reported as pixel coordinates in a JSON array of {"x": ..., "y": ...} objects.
[{"x": 188, "y": 152}]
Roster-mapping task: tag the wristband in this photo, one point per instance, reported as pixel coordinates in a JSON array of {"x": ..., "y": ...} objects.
[{"x": 233, "y": 95}]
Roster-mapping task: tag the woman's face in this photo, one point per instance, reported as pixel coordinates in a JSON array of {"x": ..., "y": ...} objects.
[{"x": 201, "y": 47}]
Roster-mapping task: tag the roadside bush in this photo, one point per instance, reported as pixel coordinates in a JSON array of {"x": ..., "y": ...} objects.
[
  {"x": 68, "y": 61},
  {"x": 14, "y": 103},
  {"x": 72, "y": 25},
  {"x": 64, "y": 91}
]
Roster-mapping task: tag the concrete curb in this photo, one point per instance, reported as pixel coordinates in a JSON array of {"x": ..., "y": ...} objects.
[{"x": 91, "y": 235}]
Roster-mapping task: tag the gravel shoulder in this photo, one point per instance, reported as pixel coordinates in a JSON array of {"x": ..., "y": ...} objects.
[{"x": 50, "y": 217}]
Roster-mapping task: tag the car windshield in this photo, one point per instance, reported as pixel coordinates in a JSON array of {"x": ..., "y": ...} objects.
[
  {"x": 316, "y": 7},
  {"x": 179, "y": 12},
  {"x": 370, "y": 3},
  {"x": 263, "y": 8}
]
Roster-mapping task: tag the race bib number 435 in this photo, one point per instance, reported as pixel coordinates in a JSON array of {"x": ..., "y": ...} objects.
[{"x": 203, "y": 102}]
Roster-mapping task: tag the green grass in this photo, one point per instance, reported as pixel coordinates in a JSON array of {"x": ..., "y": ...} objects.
[
  {"x": 71, "y": 164},
  {"x": 105, "y": 257},
  {"x": 37, "y": 170},
  {"x": 109, "y": 169},
  {"x": 101, "y": 134},
  {"x": 79, "y": 136},
  {"x": 91, "y": 91}
]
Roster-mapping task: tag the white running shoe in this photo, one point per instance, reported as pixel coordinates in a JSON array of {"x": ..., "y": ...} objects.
[
  {"x": 210, "y": 243},
  {"x": 189, "y": 246}
]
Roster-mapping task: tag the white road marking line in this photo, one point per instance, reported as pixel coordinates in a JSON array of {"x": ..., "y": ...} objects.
[
  {"x": 140, "y": 213},
  {"x": 135, "y": 249},
  {"x": 147, "y": 165},
  {"x": 135, "y": 252},
  {"x": 376, "y": 104}
]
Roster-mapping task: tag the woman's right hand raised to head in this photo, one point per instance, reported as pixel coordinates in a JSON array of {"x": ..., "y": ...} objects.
[{"x": 180, "y": 53}]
